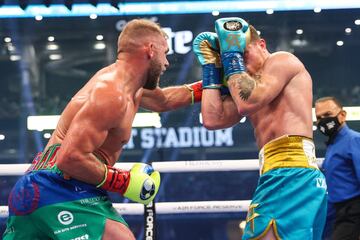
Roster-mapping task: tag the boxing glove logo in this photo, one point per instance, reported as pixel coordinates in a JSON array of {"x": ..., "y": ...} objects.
[
  {"x": 148, "y": 189},
  {"x": 233, "y": 25}
]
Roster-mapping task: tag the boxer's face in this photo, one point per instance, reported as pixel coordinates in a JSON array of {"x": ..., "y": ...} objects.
[
  {"x": 158, "y": 64},
  {"x": 254, "y": 57}
]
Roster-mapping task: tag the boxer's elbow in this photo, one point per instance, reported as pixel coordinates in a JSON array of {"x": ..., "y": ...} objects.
[
  {"x": 154, "y": 108},
  {"x": 210, "y": 126},
  {"x": 243, "y": 111},
  {"x": 253, "y": 104},
  {"x": 247, "y": 109},
  {"x": 211, "y": 123}
]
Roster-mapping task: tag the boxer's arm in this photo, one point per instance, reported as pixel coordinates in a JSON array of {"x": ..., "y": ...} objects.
[
  {"x": 170, "y": 98},
  {"x": 218, "y": 111},
  {"x": 88, "y": 131},
  {"x": 252, "y": 93}
]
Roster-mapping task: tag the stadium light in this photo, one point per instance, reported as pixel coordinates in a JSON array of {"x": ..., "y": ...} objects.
[
  {"x": 49, "y": 122},
  {"x": 166, "y": 7}
]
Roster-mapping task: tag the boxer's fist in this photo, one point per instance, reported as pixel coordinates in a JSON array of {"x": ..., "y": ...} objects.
[
  {"x": 140, "y": 184},
  {"x": 144, "y": 183},
  {"x": 206, "y": 49},
  {"x": 234, "y": 35},
  {"x": 195, "y": 90}
]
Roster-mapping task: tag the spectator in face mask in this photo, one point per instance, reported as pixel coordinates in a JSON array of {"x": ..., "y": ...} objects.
[{"x": 341, "y": 167}]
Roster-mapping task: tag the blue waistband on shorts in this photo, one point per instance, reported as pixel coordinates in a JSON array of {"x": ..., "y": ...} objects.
[{"x": 44, "y": 187}]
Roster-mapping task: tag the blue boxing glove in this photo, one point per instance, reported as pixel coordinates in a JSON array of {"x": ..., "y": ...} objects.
[
  {"x": 234, "y": 34},
  {"x": 206, "y": 49}
]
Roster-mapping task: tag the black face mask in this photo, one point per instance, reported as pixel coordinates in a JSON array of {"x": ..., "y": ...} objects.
[{"x": 329, "y": 126}]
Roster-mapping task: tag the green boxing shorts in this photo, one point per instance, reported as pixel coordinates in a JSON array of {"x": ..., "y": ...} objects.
[{"x": 44, "y": 205}]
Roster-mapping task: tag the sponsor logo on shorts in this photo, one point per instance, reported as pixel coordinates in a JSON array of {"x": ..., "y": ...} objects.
[
  {"x": 65, "y": 217},
  {"x": 67, "y": 229},
  {"x": 93, "y": 200},
  {"x": 83, "y": 237},
  {"x": 321, "y": 183}
]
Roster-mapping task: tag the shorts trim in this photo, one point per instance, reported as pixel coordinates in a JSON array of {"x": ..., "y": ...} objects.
[{"x": 271, "y": 223}]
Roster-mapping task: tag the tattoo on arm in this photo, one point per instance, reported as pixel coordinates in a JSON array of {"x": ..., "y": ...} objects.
[{"x": 245, "y": 84}]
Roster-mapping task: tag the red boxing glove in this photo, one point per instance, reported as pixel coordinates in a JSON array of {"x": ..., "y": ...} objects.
[
  {"x": 140, "y": 184},
  {"x": 116, "y": 180},
  {"x": 195, "y": 90}
]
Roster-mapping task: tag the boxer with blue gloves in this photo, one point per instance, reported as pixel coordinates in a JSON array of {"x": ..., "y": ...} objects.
[{"x": 290, "y": 200}]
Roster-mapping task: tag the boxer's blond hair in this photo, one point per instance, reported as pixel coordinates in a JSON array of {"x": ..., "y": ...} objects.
[
  {"x": 137, "y": 32},
  {"x": 254, "y": 36}
]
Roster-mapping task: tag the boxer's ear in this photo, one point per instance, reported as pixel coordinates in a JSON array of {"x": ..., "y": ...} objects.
[
  {"x": 262, "y": 43},
  {"x": 150, "y": 50}
]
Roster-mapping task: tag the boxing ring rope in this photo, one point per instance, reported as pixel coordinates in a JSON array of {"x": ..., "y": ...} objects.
[
  {"x": 163, "y": 167},
  {"x": 170, "y": 167},
  {"x": 174, "y": 207}
]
